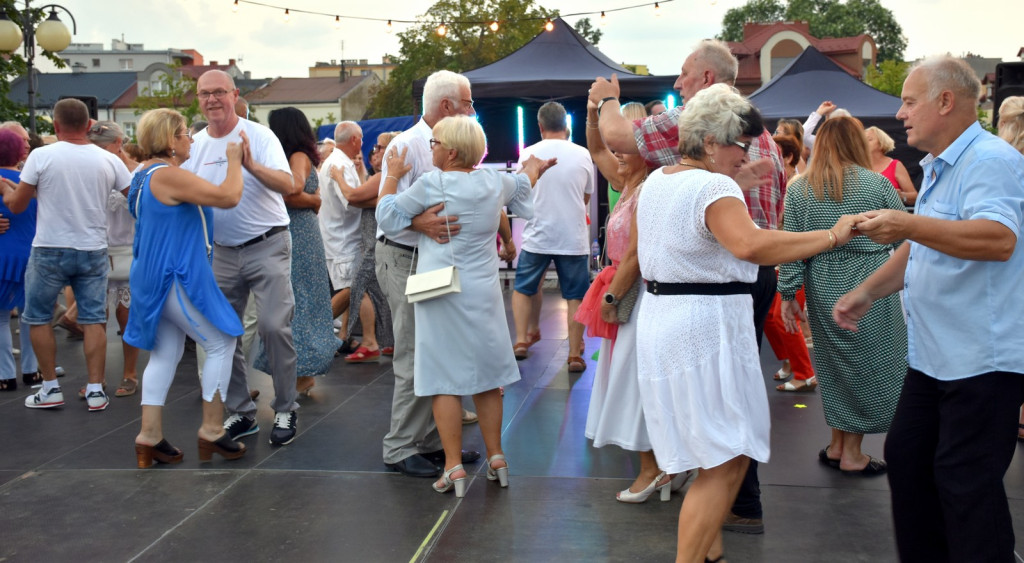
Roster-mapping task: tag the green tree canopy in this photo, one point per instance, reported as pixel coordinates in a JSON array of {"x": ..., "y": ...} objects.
[
  {"x": 888, "y": 77},
  {"x": 464, "y": 47},
  {"x": 827, "y": 18}
]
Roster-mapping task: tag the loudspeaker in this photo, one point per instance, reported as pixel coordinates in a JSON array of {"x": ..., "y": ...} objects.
[
  {"x": 90, "y": 102},
  {"x": 1009, "y": 82}
]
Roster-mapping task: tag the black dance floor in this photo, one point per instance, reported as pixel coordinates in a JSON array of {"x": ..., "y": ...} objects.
[{"x": 69, "y": 490}]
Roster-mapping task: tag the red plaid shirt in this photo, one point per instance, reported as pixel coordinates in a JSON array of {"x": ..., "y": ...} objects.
[{"x": 657, "y": 137}]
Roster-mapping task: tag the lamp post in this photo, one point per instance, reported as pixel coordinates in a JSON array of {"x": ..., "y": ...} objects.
[{"x": 51, "y": 34}]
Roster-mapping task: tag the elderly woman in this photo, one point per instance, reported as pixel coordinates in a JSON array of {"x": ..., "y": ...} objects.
[
  {"x": 1011, "y": 130},
  {"x": 861, "y": 373},
  {"x": 615, "y": 415},
  {"x": 120, "y": 231},
  {"x": 461, "y": 346},
  {"x": 14, "y": 252},
  {"x": 879, "y": 145},
  {"x": 174, "y": 293},
  {"x": 699, "y": 370}
]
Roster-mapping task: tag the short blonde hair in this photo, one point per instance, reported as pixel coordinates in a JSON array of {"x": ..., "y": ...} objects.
[
  {"x": 157, "y": 129},
  {"x": 1011, "y": 121},
  {"x": 633, "y": 111},
  {"x": 885, "y": 142},
  {"x": 465, "y": 135}
]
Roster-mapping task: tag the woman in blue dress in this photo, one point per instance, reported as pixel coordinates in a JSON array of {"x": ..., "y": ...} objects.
[
  {"x": 461, "y": 345},
  {"x": 312, "y": 325},
  {"x": 174, "y": 293}
]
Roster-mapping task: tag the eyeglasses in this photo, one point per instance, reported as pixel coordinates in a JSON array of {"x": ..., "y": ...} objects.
[
  {"x": 469, "y": 102},
  {"x": 185, "y": 134},
  {"x": 434, "y": 143},
  {"x": 205, "y": 95},
  {"x": 381, "y": 147},
  {"x": 741, "y": 144}
]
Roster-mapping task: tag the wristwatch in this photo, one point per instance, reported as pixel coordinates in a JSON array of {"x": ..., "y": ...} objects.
[
  {"x": 610, "y": 299},
  {"x": 603, "y": 100}
]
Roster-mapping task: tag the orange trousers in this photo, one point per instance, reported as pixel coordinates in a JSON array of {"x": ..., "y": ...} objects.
[{"x": 787, "y": 345}]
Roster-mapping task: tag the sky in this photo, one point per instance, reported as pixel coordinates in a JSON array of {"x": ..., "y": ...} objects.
[{"x": 267, "y": 46}]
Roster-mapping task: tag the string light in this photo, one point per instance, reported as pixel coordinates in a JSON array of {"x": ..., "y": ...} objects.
[
  {"x": 604, "y": 19},
  {"x": 234, "y": 7},
  {"x": 389, "y": 29},
  {"x": 657, "y": 9},
  {"x": 287, "y": 15},
  {"x": 442, "y": 30},
  {"x": 494, "y": 26},
  {"x": 550, "y": 25},
  {"x": 337, "y": 22}
]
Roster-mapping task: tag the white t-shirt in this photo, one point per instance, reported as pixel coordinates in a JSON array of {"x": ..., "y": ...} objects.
[
  {"x": 417, "y": 140},
  {"x": 339, "y": 223},
  {"x": 559, "y": 224},
  {"x": 261, "y": 208},
  {"x": 72, "y": 182}
]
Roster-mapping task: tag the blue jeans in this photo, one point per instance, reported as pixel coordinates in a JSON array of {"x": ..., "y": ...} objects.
[
  {"x": 28, "y": 356},
  {"x": 50, "y": 269}
]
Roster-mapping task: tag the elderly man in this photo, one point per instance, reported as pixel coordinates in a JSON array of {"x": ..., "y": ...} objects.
[
  {"x": 556, "y": 233},
  {"x": 412, "y": 446},
  {"x": 253, "y": 249},
  {"x": 339, "y": 222},
  {"x": 763, "y": 181},
  {"x": 71, "y": 179},
  {"x": 19, "y": 130},
  {"x": 953, "y": 434}
]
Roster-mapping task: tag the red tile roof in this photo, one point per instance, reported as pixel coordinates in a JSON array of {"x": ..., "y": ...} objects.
[{"x": 304, "y": 90}]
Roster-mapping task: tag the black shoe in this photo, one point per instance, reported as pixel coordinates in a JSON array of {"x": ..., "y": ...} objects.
[
  {"x": 239, "y": 425},
  {"x": 284, "y": 428},
  {"x": 415, "y": 466},
  {"x": 437, "y": 458},
  {"x": 9, "y": 384}
]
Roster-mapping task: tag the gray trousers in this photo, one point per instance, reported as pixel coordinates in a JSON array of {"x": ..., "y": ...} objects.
[
  {"x": 412, "y": 418},
  {"x": 265, "y": 269}
]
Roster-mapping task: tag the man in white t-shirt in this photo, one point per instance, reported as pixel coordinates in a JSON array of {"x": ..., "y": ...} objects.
[
  {"x": 557, "y": 232},
  {"x": 72, "y": 180},
  {"x": 252, "y": 249},
  {"x": 339, "y": 222}
]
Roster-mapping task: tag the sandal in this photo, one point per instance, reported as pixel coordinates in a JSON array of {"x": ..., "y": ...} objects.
[
  {"x": 781, "y": 375},
  {"x": 824, "y": 458},
  {"x": 387, "y": 351},
  {"x": 576, "y": 364},
  {"x": 127, "y": 388},
  {"x": 534, "y": 337},
  {"x": 9, "y": 384},
  {"x": 521, "y": 350},
  {"x": 34, "y": 378},
  {"x": 808, "y": 387},
  {"x": 362, "y": 355}
]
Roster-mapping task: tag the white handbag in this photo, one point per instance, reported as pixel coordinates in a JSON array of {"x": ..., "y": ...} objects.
[
  {"x": 435, "y": 283},
  {"x": 120, "y": 262}
]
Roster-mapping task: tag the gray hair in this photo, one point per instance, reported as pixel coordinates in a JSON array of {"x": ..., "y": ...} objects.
[
  {"x": 104, "y": 133},
  {"x": 718, "y": 112},
  {"x": 551, "y": 117},
  {"x": 716, "y": 56},
  {"x": 442, "y": 85},
  {"x": 344, "y": 131},
  {"x": 948, "y": 73}
]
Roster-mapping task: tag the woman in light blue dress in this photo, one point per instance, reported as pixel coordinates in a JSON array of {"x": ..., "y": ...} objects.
[{"x": 461, "y": 344}]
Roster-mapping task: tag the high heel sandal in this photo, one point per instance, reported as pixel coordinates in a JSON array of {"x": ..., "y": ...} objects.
[
  {"x": 304, "y": 384},
  {"x": 225, "y": 446},
  {"x": 163, "y": 452},
  {"x": 499, "y": 474},
  {"x": 448, "y": 482},
  {"x": 680, "y": 479},
  {"x": 663, "y": 488}
]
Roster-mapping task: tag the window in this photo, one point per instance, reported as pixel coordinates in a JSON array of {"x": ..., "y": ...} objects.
[
  {"x": 129, "y": 129},
  {"x": 125, "y": 64},
  {"x": 95, "y": 62}
]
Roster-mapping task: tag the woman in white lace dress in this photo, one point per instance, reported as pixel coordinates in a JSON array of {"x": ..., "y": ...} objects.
[{"x": 700, "y": 375}]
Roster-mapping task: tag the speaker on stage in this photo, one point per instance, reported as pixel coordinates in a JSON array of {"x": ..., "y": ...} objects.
[
  {"x": 1009, "y": 82},
  {"x": 90, "y": 102}
]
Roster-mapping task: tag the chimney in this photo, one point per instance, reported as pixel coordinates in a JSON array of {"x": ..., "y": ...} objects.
[
  {"x": 231, "y": 62},
  {"x": 213, "y": 63},
  {"x": 77, "y": 68},
  {"x": 248, "y": 75}
]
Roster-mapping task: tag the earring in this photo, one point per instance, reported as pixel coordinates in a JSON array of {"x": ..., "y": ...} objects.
[
  {"x": 712, "y": 159},
  {"x": 174, "y": 153}
]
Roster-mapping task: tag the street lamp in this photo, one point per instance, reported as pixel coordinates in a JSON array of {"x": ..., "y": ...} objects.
[{"x": 51, "y": 34}]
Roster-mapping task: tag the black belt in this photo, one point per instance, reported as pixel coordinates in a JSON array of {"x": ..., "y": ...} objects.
[
  {"x": 730, "y": 288},
  {"x": 273, "y": 231},
  {"x": 389, "y": 242}
]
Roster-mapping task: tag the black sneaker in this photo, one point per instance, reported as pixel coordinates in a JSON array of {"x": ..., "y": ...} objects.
[
  {"x": 239, "y": 425},
  {"x": 284, "y": 428}
]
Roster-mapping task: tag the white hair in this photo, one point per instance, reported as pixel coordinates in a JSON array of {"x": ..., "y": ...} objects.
[
  {"x": 715, "y": 55},
  {"x": 946, "y": 72},
  {"x": 344, "y": 131},
  {"x": 442, "y": 85},
  {"x": 718, "y": 112}
]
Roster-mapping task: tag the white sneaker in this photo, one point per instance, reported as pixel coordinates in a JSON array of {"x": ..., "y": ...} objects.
[
  {"x": 45, "y": 400},
  {"x": 97, "y": 401}
]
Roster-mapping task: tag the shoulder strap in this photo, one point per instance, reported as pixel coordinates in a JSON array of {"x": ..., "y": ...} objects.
[{"x": 138, "y": 200}]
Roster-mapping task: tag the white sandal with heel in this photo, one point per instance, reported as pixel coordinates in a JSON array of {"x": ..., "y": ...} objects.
[
  {"x": 499, "y": 474},
  {"x": 448, "y": 482},
  {"x": 664, "y": 490}
]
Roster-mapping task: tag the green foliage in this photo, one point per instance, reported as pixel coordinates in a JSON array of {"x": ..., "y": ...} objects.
[
  {"x": 588, "y": 31},
  {"x": 827, "y": 18},
  {"x": 14, "y": 65},
  {"x": 986, "y": 121},
  {"x": 176, "y": 91},
  {"x": 888, "y": 77},
  {"x": 465, "y": 47}
]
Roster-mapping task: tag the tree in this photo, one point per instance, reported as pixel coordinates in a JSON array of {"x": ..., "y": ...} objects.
[
  {"x": 827, "y": 18},
  {"x": 888, "y": 77},
  {"x": 588, "y": 31},
  {"x": 175, "y": 91},
  {"x": 464, "y": 47},
  {"x": 13, "y": 65}
]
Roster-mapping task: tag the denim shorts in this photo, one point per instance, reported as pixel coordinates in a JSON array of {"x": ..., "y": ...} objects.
[
  {"x": 573, "y": 273},
  {"x": 50, "y": 269}
]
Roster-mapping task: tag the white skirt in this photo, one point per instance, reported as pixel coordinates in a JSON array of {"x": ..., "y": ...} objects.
[{"x": 700, "y": 380}]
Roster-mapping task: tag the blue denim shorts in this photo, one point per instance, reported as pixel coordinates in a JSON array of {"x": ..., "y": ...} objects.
[
  {"x": 50, "y": 269},
  {"x": 573, "y": 273}
]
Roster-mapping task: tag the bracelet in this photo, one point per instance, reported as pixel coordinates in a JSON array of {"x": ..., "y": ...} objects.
[
  {"x": 831, "y": 240},
  {"x": 395, "y": 178},
  {"x": 591, "y": 125}
]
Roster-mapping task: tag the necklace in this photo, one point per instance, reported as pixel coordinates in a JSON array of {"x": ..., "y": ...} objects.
[
  {"x": 163, "y": 161},
  {"x": 681, "y": 163}
]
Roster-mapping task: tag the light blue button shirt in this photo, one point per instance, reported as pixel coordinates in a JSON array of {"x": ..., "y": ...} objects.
[{"x": 966, "y": 317}]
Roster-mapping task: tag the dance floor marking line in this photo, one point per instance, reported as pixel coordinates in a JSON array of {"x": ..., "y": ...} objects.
[{"x": 426, "y": 540}]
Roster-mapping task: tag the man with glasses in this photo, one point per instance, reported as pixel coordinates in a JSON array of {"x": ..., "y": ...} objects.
[
  {"x": 763, "y": 181},
  {"x": 253, "y": 249},
  {"x": 412, "y": 446}
]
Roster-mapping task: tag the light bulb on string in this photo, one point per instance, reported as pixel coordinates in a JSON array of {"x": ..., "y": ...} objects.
[
  {"x": 337, "y": 22},
  {"x": 287, "y": 15},
  {"x": 389, "y": 28},
  {"x": 234, "y": 7},
  {"x": 657, "y": 9},
  {"x": 494, "y": 26},
  {"x": 604, "y": 18},
  {"x": 549, "y": 25},
  {"x": 442, "y": 30}
]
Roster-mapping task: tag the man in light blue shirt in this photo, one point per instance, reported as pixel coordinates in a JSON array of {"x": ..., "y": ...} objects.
[{"x": 954, "y": 432}]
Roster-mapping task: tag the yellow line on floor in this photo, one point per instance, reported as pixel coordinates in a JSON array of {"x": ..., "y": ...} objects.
[{"x": 426, "y": 540}]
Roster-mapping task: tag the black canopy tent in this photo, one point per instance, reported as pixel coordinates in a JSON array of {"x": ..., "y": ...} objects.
[{"x": 813, "y": 78}]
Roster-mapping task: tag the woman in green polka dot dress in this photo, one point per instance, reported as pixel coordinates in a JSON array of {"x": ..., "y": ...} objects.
[{"x": 861, "y": 373}]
